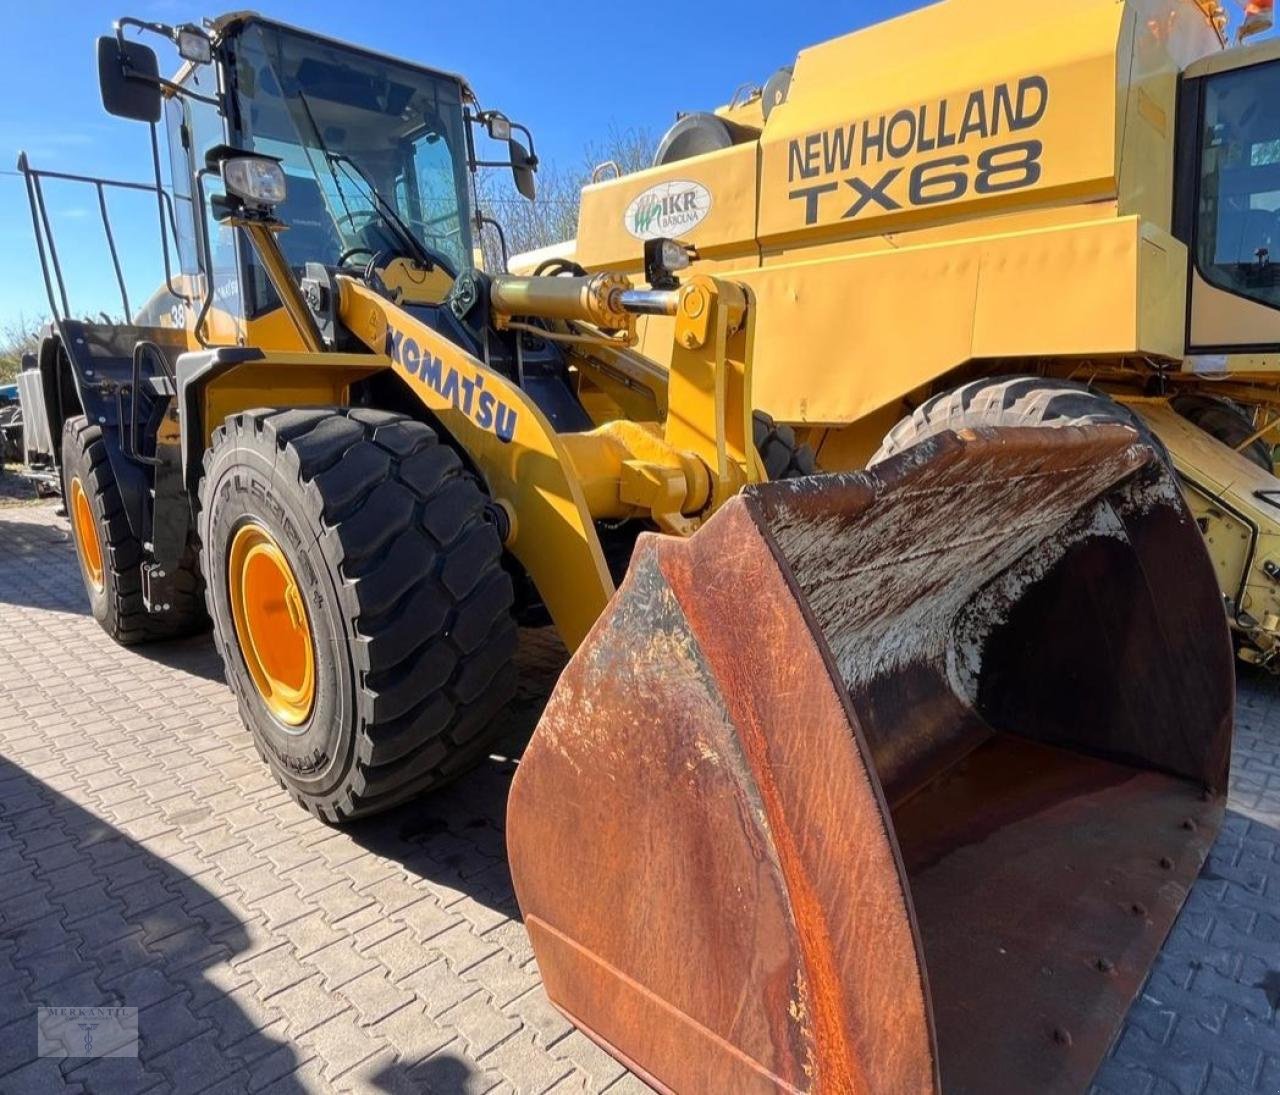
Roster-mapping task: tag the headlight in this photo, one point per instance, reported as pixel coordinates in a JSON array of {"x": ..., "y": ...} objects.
[
  {"x": 193, "y": 45},
  {"x": 255, "y": 179},
  {"x": 674, "y": 255}
]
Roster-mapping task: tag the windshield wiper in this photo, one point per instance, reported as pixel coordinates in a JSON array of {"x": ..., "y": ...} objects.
[
  {"x": 332, "y": 158},
  {"x": 388, "y": 211}
]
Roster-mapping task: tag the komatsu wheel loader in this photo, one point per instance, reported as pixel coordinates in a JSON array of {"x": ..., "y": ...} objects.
[
  {"x": 885, "y": 781},
  {"x": 979, "y": 191}
]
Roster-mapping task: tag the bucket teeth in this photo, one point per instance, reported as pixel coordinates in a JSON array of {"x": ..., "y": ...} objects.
[{"x": 834, "y": 782}]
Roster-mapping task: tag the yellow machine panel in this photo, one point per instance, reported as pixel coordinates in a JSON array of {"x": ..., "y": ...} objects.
[
  {"x": 865, "y": 140},
  {"x": 1237, "y": 507},
  {"x": 710, "y": 200},
  {"x": 993, "y": 188},
  {"x": 830, "y": 333},
  {"x": 911, "y": 216}
]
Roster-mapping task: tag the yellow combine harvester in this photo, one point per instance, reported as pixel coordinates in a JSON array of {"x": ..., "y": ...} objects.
[
  {"x": 980, "y": 191},
  {"x": 879, "y": 781}
]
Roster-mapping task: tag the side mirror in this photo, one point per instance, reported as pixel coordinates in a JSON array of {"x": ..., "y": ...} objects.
[
  {"x": 129, "y": 77},
  {"x": 523, "y": 166}
]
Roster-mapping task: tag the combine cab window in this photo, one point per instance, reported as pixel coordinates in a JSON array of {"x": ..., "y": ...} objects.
[
  {"x": 1238, "y": 242},
  {"x": 372, "y": 150}
]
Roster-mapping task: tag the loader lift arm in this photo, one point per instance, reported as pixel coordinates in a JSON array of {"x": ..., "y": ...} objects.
[{"x": 552, "y": 487}]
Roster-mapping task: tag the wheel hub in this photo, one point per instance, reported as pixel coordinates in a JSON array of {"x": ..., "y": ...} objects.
[
  {"x": 271, "y": 624},
  {"x": 88, "y": 542}
]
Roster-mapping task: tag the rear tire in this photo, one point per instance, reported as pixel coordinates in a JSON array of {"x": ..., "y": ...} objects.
[
  {"x": 1224, "y": 421},
  {"x": 110, "y": 555},
  {"x": 408, "y": 606},
  {"x": 1010, "y": 401},
  {"x": 784, "y": 457}
]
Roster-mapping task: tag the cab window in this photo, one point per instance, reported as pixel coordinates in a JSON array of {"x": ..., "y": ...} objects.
[{"x": 1238, "y": 237}]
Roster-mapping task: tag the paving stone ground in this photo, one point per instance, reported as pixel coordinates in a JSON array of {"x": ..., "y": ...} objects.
[{"x": 148, "y": 859}]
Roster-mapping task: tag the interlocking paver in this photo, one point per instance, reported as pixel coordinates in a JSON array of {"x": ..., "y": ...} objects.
[
  {"x": 339, "y": 963},
  {"x": 399, "y": 953},
  {"x": 340, "y": 1046},
  {"x": 374, "y": 996},
  {"x": 437, "y": 987},
  {"x": 412, "y": 1033},
  {"x": 150, "y": 860},
  {"x": 305, "y": 1006}
]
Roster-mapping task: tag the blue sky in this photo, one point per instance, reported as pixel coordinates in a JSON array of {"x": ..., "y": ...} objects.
[
  {"x": 547, "y": 64},
  {"x": 567, "y": 70}
]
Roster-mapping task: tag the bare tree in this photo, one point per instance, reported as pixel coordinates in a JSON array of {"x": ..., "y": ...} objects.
[
  {"x": 17, "y": 337},
  {"x": 553, "y": 217}
]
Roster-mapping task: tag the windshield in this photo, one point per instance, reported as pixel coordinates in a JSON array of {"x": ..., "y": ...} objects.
[{"x": 373, "y": 150}]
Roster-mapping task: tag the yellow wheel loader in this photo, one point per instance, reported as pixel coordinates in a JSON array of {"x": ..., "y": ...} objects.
[
  {"x": 1087, "y": 192},
  {"x": 882, "y": 781}
]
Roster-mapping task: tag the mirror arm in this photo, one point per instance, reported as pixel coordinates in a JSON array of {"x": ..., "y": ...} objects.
[
  {"x": 165, "y": 31},
  {"x": 162, "y": 29},
  {"x": 473, "y": 162},
  {"x": 480, "y": 221},
  {"x": 532, "y": 162}
]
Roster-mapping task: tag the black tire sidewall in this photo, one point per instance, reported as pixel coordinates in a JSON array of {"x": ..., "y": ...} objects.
[
  {"x": 243, "y": 488},
  {"x": 1225, "y": 422}
]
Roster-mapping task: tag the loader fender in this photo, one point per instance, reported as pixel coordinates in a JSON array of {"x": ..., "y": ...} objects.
[{"x": 887, "y": 781}]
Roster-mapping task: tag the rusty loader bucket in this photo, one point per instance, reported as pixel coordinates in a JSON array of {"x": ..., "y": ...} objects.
[{"x": 885, "y": 782}]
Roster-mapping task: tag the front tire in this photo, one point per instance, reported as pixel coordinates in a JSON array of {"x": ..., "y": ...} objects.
[
  {"x": 783, "y": 456},
  {"x": 360, "y": 528}
]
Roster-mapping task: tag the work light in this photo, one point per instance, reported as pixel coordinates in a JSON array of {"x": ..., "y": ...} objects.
[
  {"x": 193, "y": 44},
  {"x": 257, "y": 180},
  {"x": 498, "y": 125}
]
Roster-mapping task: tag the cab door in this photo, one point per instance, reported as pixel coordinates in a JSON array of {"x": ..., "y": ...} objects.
[{"x": 1228, "y": 201}]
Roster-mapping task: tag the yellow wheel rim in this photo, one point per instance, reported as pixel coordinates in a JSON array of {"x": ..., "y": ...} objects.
[
  {"x": 88, "y": 543},
  {"x": 271, "y": 624}
]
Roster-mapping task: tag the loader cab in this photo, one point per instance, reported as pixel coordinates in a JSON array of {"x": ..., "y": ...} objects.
[
  {"x": 378, "y": 156},
  {"x": 375, "y": 153},
  {"x": 1227, "y": 206}
]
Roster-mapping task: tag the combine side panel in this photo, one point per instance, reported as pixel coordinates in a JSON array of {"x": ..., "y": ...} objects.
[{"x": 885, "y": 782}]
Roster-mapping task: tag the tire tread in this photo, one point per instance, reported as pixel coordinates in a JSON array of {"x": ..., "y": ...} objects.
[
  {"x": 129, "y": 622},
  {"x": 393, "y": 508}
]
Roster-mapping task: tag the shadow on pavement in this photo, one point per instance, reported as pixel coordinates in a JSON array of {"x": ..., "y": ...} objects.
[
  {"x": 195, "y": 654},
  {"x": 89, "y": 916},
  {"x": 443, "y": 1074},
  {"x": 38, "y": 567},
  {"x": 455, "y": 838}
]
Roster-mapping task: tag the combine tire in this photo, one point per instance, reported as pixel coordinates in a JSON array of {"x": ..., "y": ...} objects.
[
  {"x": 1223, "y": 420},
  {"x": 1010, "y": 401},
  {"x": 359, "y": 603},
  {"x": 109, "y": 553},
  {"x": 784, "y": 457}
]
